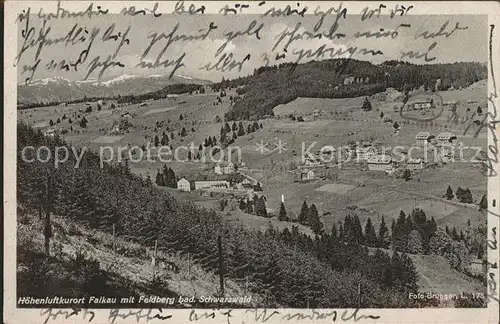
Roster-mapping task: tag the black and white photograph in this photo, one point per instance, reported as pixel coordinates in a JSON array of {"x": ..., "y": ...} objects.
[{"x": 242, "y": 156}]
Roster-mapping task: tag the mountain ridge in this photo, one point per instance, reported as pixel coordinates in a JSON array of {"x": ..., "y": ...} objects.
[{"x": 58, "y": 89}]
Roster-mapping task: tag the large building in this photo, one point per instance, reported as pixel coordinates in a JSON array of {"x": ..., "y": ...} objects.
[
  {"x": 364, "y": 152},
  {"x": 214, "y": 184},
  {"x": 477, "y": 267},
  {"x": 446, "y": 138},
  {"x": 224, "y": 168},
  {"x": 380, "y": 162},
  {"x": 422, "y": 104},
  {"x": 183, "y": 184},
  {"x": 424, "y": 138},
  {"x": 415, "y": 164},
  {"x": 307, "y": 174}
]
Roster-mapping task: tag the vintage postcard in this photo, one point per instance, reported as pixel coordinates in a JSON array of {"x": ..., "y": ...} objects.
[{"x": 251, "y": 162}]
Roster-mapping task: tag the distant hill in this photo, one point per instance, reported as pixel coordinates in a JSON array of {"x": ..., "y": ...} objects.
[
  {"x": 61, "y": 90},
  {"x": 340, "y": 78}
]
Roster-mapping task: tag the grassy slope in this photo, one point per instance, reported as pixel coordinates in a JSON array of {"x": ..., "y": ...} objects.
[{"x": 132, "y": 262}]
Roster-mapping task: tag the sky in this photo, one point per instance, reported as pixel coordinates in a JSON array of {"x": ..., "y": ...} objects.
[{"x": 468, "y": 43}]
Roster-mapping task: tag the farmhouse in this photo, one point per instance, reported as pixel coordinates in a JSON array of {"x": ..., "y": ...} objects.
[
  {"x": 172, "y": 96},
  {"x": 424, "y": 138},
  {"x": 143, "y": 104},
  {"x": 476, "y": 267},
  {"x": 349, "y": 80},
  {"x": 206, "y": 184},
  {"x": 415, "y": 164},
  {"x": 183, "y": 184},
  {"x": 307, "y": 174},
  {"x": 50, "y": 132},
  {"x": 421, "y": 104},
  {"x": 446, "y": 138},
  {"x": 126, "y": 115},
  {"x": 224, "y": 168},
  {"x": 365, "y": 152},
  {"x": 380, "y": 162},
  {"x": 311, "y": 161}
]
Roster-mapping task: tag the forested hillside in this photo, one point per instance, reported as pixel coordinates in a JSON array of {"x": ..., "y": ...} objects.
[
  {"x": 340, "y": 78},
  {"x": 290, "y": 268}
]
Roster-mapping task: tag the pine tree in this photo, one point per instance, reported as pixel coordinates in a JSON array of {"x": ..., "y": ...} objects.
[
  {"x": 358, "y": 231},
  {"x": 157, "y": 141},
  {"x": 414, "y": 244},
  {"x": 227, "y": 128},
  {"x": 159, "y": 179},
  {"x": 449, "y": 193},
  {"x": 466, "y": 197},
  {"x": 83, "y": 122},
  {"x": 234, "y": 127},
  {"x": 243, "y": 205},
  {"x": 183, "y": 132},
  {"x": 334, "y": 233},
  {"x": 304, "y": 212},
  {"x": 383, "y": 234},
  {"x": 370, "y": 235},
  {"x": 164, "y": 139},
  {"x": 313, "y": 220},
  {"x": 483, "y": 204},
  {"x": 241, "y": 130},
  {"x": 282, "y": 213},
  {"x": 367, "y": 106},
  {"x": 51, "y": 123}
]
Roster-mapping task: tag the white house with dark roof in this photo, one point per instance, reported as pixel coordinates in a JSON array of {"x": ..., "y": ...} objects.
[
  {"x": 184, "y": 184},
  {"x": 446, "y": 138},
  {"x": 380, "y": 162},
  {"x": 307, "y": 174},
  {"x": 421, "y": 104},
  {"x": 415, "y": 164},
  {"x": 365, "y": 151},
  {"x": 224, "y": 168},
  {"x": 424, "y": 138}
]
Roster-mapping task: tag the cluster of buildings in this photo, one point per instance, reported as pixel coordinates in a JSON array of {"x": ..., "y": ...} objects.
[
  {"x": 235, "y": 181},
  {"x": 421, "y": 104}
]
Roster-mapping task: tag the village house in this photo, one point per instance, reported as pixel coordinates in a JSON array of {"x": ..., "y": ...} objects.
[
  {"x": 424, "y": 138},
  {"x": 311, "y": 161},
  {"x": 115, "y": 129},
  {"x": 224, "y": 168},
  {"x": 380, "y": 162},
  {"x": 349, "y": 80},
  {"x": 415, "y": 164},
  {"x": 307, "y": 175},
  {"x": 207, "y": 184},
  {"x": 476, "y": 267},
  {"x": 365, "y": 151},
  {"x": 421, "y": 104},
  {"x": 446, "y": 138},
  {"x": 126, "y": 115},
  {"x": 50, "y": 132},
  {"x": 184, "y": 184}
]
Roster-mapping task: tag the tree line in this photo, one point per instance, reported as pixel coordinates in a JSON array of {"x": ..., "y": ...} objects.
[{"x": 280, "y": 84}]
